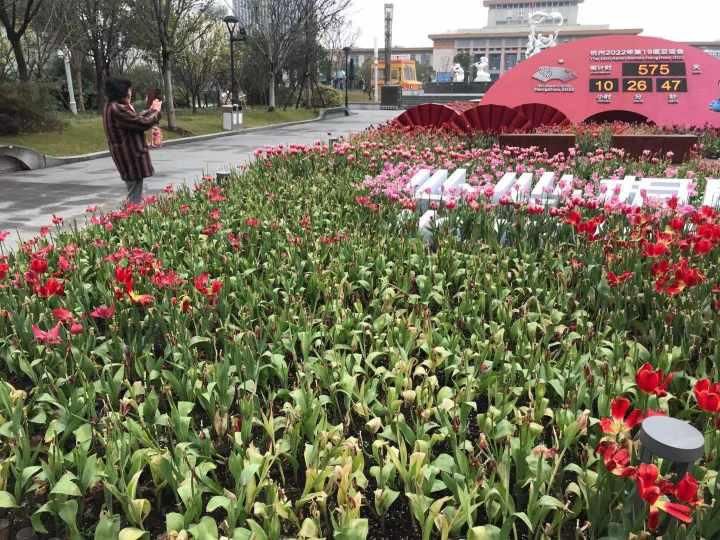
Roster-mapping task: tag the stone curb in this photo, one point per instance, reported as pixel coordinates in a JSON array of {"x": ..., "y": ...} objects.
[{"x": 54, "y": 161}]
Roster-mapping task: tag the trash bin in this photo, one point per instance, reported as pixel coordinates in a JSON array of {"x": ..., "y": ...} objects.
[{"x": 232, "y": 117}]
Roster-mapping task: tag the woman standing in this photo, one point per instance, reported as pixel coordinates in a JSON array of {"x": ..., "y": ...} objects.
[{"x": 125, "y": 131}]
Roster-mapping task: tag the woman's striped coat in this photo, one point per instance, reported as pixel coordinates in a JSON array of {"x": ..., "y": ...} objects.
[{"x": 125, "y": 131}]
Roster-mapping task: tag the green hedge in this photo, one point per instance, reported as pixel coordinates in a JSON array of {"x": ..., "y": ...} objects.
[{"x": 28, "y": 108}]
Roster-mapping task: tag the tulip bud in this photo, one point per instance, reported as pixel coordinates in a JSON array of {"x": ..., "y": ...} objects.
[
  {"x": 18, "y": 395},
  {"x": 220, "y": 423},
  {"x": 374, "y": 425},
  {"x": 535, "y": 429},
  {"x": 409, "y": 396},
  {"x": 447, "y": 404}
]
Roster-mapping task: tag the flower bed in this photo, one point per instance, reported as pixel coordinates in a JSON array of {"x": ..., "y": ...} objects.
[{"x": 282, "y": 356}]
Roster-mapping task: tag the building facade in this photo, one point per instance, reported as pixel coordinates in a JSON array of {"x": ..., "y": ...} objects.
[
  {"x": 504, "y": 40},
  {"x": 421, "y": 55},
  {"x": 710, "y": 47}
]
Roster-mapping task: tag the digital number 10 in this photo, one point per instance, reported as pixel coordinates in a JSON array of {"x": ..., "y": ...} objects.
[{"x": 603, "y": 85}]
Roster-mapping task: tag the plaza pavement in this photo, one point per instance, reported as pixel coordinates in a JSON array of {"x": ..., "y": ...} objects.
[{"x": 28, "y": 200}]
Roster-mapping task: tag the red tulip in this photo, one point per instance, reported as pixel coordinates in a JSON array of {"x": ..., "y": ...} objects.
[
  {"x": 707, "y": 396},
  {"x": 51, "y": 337},
  {"x": 620, "y": 421},
  {"x": 76, "y": 328},
  {"x": 687, "y": 490},
  {"x": 614, "y": 280},
  {"x": 650, "y": 491},
  {"x": 52, "y": 287},
  {"x": 143, "y": 300},
  {"x": 39, "y": 266},
  {"x": 652, "y": 381},
  {"x": 616, "y": 459},
  {"x": 63, "y": 315},
  {"x": 103, "y": 312},
  {"x": 4, "y": 269},
  {"x": 656, "y": 250}
]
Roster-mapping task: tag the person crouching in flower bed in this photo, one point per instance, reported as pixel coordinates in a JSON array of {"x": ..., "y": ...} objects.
[{"x": 125, "y": 131}]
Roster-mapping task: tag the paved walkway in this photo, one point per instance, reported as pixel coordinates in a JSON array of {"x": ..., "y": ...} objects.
[{"x": 28, "y": 200}]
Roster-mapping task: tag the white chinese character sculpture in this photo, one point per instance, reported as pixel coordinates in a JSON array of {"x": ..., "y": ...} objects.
[
  {"x": 458, "y": 73},
  {"x": 483, "y": 70},
  {"x": 538, "y": 42}
]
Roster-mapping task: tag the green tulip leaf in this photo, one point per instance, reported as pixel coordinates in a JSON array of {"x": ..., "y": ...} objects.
[
  {"x": 7, "y": 500},
  {"x": 131, "y": 533},
  {"x": 108, "y": 528},
  {"x": 486, "y": 532},
  {"x": 205, "y": 530},
  {"x": 66, "y": 486}
]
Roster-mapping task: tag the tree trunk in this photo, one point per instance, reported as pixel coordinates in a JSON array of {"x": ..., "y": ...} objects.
[
  {"x": 99, "y": 84},
  {"x": 22, "y": 68},
  {"x": 271, "y": 93},
  {"x": 79, "y": 90},
  {"x": 169, "y": 100}
]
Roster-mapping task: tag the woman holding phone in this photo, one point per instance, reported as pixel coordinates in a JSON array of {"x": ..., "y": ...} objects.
[{"x": 125, "y": 131}]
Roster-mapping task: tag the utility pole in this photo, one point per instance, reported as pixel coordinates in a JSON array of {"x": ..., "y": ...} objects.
[
  {"x": 388, "y": 41},
  {"x": 375, "y": 73}
]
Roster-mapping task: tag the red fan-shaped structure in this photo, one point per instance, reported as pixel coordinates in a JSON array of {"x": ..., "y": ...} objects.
[
  {"x": 492, "y": 119},
  {"x": 429, "y": 115},
  {"x": 539, "y": 114}
]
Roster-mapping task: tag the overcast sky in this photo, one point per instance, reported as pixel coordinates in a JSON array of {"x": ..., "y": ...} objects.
[{"x": 681, "y": 20}]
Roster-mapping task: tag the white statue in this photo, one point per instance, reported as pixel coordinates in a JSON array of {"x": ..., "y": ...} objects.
[
  {"x": 483, "y": 70},
  {"x": 538, "y": 42},
  {"x": 458, "y": 73}
]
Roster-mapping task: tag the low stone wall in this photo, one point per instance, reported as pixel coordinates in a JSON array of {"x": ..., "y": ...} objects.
[
  {"x": 679, "y": 145},
  {"x": 554, "y": 144}
]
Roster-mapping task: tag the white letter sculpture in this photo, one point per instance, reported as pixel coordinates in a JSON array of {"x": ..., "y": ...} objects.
[
  {"x": 458, "y": 73},
  {"x": 538, "y": 42},
  {"x": 483, "y": 70}
]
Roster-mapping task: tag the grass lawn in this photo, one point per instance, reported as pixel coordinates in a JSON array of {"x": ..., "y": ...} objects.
[
  {"x": 84, "y": 134},
  {"x": 357, "y": 96}
]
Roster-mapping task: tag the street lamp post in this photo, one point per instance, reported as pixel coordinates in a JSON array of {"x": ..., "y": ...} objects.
[
  {"x": 346, "y": 50},
  {"x": 64, "y": 55},
  {"x": 237, "y": 33}
]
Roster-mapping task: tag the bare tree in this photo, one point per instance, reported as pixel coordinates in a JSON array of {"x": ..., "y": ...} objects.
[
  {"x": 102, "y": 23},
  {"x": 197, "y": 65},
  {"x": 169, "y": 27},
  {"x": 339, "y": 33},
  {"x": 276, "y": 27},
  {"x": 16, "y": 16}
]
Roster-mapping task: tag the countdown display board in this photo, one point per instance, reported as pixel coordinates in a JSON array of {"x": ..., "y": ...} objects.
[{"x": 668, "y": 83}]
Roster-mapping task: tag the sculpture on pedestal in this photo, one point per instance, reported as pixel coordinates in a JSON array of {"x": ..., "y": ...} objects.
[
  {"x": 538, "y": 42},
  {"x": 483, "y": 70},
  {"x": 458, "y": 74}
]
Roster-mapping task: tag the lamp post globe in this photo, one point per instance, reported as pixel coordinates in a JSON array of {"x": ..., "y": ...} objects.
[{"x": 347, "y": 50}]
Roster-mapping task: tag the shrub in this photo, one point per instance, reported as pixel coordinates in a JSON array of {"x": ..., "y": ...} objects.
[
  {"x": 710, "y": 141},
  {"x": 32, "y": 107},
  {"x": 330, "y": 98}
]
